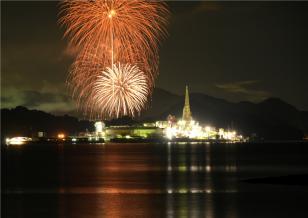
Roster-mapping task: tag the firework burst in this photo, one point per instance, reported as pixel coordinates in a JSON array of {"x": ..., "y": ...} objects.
[
  {"x": 121, "y": 90},
  {"x": 107, "y": 32},
  {"x": 130, "y": 30}
]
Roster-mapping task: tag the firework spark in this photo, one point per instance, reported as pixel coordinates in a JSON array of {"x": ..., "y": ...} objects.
[
  {"x": 121, "y": 90},
  {"x": 107, "y": 32},
  {"x": 131, "y": 30}
]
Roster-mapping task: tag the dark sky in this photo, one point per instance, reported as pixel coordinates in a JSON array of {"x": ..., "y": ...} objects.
[{"x": 236, "y": 51}]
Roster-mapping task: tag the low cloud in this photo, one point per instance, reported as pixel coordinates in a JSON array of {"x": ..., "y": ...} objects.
[
  {"x": 206, "y": 6},
  {"x": 246, "y": 88},
  {"x": 54, "y": 102},
  {"x": 35, "y": 98},
  {"x": 6, "y": 99}
]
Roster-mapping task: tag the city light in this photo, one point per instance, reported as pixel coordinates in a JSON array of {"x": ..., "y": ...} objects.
[
  {"x": 192, "y": 130},
  {"x": 61, "y": 136},
  {"x": 17, "y": 140},
  {"x": 170, "y": 129},
  {"x": 99, "y": 126},
  {"x": 187, "y": 127}
]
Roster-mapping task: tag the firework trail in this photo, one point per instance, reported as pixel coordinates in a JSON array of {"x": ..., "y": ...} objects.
[{"x": 108, "y": 32}]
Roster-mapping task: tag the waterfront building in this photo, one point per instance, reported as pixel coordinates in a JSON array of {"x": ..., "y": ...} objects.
[
  {"x": 187, "y": 127},
  {"x": 171, "y": 128},
  {"x": 99, "y": 129},
  {"x": 132, "y": 132}
]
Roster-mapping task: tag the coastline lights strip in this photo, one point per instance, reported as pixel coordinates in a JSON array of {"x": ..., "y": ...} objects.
[{"x": 17, "y": 140}]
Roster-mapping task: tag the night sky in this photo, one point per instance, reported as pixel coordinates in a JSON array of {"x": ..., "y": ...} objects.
[{"x": 236, "y": 51}]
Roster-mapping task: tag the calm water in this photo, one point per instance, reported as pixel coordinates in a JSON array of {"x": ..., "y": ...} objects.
[{"x": 152, "y": 180}]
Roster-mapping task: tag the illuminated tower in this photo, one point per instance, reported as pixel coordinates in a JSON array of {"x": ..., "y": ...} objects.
[{"x": 186, "y": 110}]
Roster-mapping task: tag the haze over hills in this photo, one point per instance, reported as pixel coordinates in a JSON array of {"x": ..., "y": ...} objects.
[{"x": 269, "y": 119}]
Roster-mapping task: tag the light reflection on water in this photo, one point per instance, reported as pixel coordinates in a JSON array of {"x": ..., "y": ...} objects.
[{"x": 143, "y": 180}]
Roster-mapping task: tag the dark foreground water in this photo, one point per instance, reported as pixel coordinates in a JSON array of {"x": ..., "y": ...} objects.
[{"x": 155, "y": 180}]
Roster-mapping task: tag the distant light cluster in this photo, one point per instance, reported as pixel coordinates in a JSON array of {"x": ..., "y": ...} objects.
[
  {"x": 19, "y": 140},
  {"x": 191, "y": 129}
]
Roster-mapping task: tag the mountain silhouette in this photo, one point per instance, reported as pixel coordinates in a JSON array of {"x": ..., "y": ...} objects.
[
  {"x": 21, "y": 121},
  {"x": 271, "y": 119}
]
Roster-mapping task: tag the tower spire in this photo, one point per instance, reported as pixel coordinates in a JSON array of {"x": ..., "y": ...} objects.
[{"x": 186, "y": 110}]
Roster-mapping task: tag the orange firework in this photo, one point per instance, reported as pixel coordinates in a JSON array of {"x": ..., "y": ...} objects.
[
  {"x": 108, "y": 32},
  {"x": 129, "y": 29}
]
